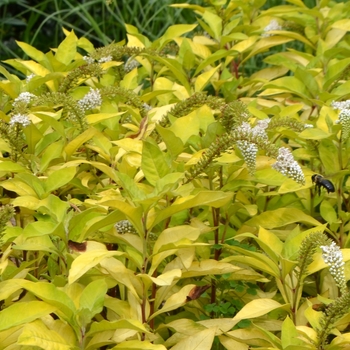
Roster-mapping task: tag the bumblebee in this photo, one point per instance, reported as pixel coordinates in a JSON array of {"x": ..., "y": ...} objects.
[{"x": 320, "y": 181}]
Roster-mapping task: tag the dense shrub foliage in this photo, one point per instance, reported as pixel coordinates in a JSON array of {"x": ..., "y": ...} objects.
[{"x": 157, "y": 194}]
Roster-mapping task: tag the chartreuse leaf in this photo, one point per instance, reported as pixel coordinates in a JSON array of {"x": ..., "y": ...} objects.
[
  {"x": 87, "y": 261},
  {"x": 175, "y": 300},
  {"x": 328, "y": 212},
  {"x": 138, "y": 344},
  {"x": 32, "y": 52},
  {"x": 59, "y": 178},
  {"x": 202, "y": 340},
  {"x": 257, "y": 337},
  {"x": 173, "y": 143},
  {"x": 82, "y": 221},
  {"x": 11, "y": 167},
  {"x": 176, "y": 68},
  {"x": 47, "y": 292},
  {"x": 130, "y": 186},
  {"x": 214, "y": 199},
  {"x": 259, "y": 307},
  {"x": 204, "y": 78},
  {"x": 217, "y": 55},
  {"x": 153, "y": 164},
  {"x": 286, "y": 84},
  {"x": 290, "y": 334},
  {"x": 91, "y": 301},
  {"x": 265, "y": 43},
  {"x": 270, "y": 243},
  {"x": 51, "y": 152},
  {"x": 175, "y": 31},
  {"x": 230, "y": 343},
  {"x": 175, "y": 236},
  {"x": 209, "y": 267},
  {"x": 37, "y": 334},
  {"x": 215, "y": 23},
  {"x": 281, "y": 217},
  {"x": 327, "y": 151},
  {"x": 25, "y": 185},
  {"x": 67, "y": 50},
  {"x": 254, "y": 259},
  {"x": 10, "y": 336},
  {"x": 24, "y": 312},
  {"x": 80, "y": 140}
]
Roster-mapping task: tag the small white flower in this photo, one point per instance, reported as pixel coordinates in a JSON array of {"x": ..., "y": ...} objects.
[
  {"x": 146, "y": 106},
  {"x": 24, "y": 97},
  {"x": 273, "y": 25},
  {"x": 130, "y": 64},
  {"x": 249, "y": 151},
  {"x": 333, "y": 257},
  {"x": 88, "y": 59},
  {"x": 105, "y": 59},
  {"x": 30, "y": 77},
  {"x": 288, "y": 166},
  {"x": 308, "y": 126},
  {"x": 344, "y": 116},
  {"x": 91, "y": 100},
  {"x": 19, "y": 119}
]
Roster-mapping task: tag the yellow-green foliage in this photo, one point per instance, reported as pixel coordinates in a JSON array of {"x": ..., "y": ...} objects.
[{"x": 159, "y": 194}]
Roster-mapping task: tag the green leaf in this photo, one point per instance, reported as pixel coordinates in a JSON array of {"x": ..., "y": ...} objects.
[
  {"x": 59, "y": 178},
  {"x": 79, "y": 140},
  {"x": 24, "y": 312},
  {"x": 32, "y": 52},
  {"x": 105, "y": 325},
  {"x": 175, "y": 31},
  {"x": 11, "y": 167},
  {"x": 259, "y": 307},
  {"x": 281, "y": 217},
  {"x": 87, "y": 261},
  {"x": 52, "y": 152},
  {"x": 214, "y": 199},
  {"x": 215, "y": 23},
  {"x": 36, "y": 334},
  {"x": 175, "y": 300},
  {"x": 153, "y": 163},
  {"x": 204, "y": 78},
  {"x": 91, "y": 301},
  {"x": 286, "y": 84},
  {"x": 290, "y": 334},
  {"x": 67, "y": 50},
  {"x": 328, "y": 212},
  {"x": 266, "y": 43},
  {"x": 217, "y": 55},
  {"x": 202, "y": 340},
  {"x": 138, "y": 344},
  {"x": 170, "y": 237}
]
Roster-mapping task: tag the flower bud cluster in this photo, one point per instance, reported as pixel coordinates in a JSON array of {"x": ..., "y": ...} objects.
[
  {"x": 20, "y": 119},
  {"x": 30, "y": 77},
  {"x": 344, "y": 116},
  {"x": 108, "y": 58},
  {"x": 131, "y": 64},
  {"x": 20, "y": 112},
  {"x": 333, "y": 257},
  {"x": 248, "y": 141},
  {"x": 124, "y": 226},
  {"x": 91, "y": 100},
  {"x": 287, "y": 166},
  {"x": 273, "y": 25},
  {"x": 23, "y": 97}
]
